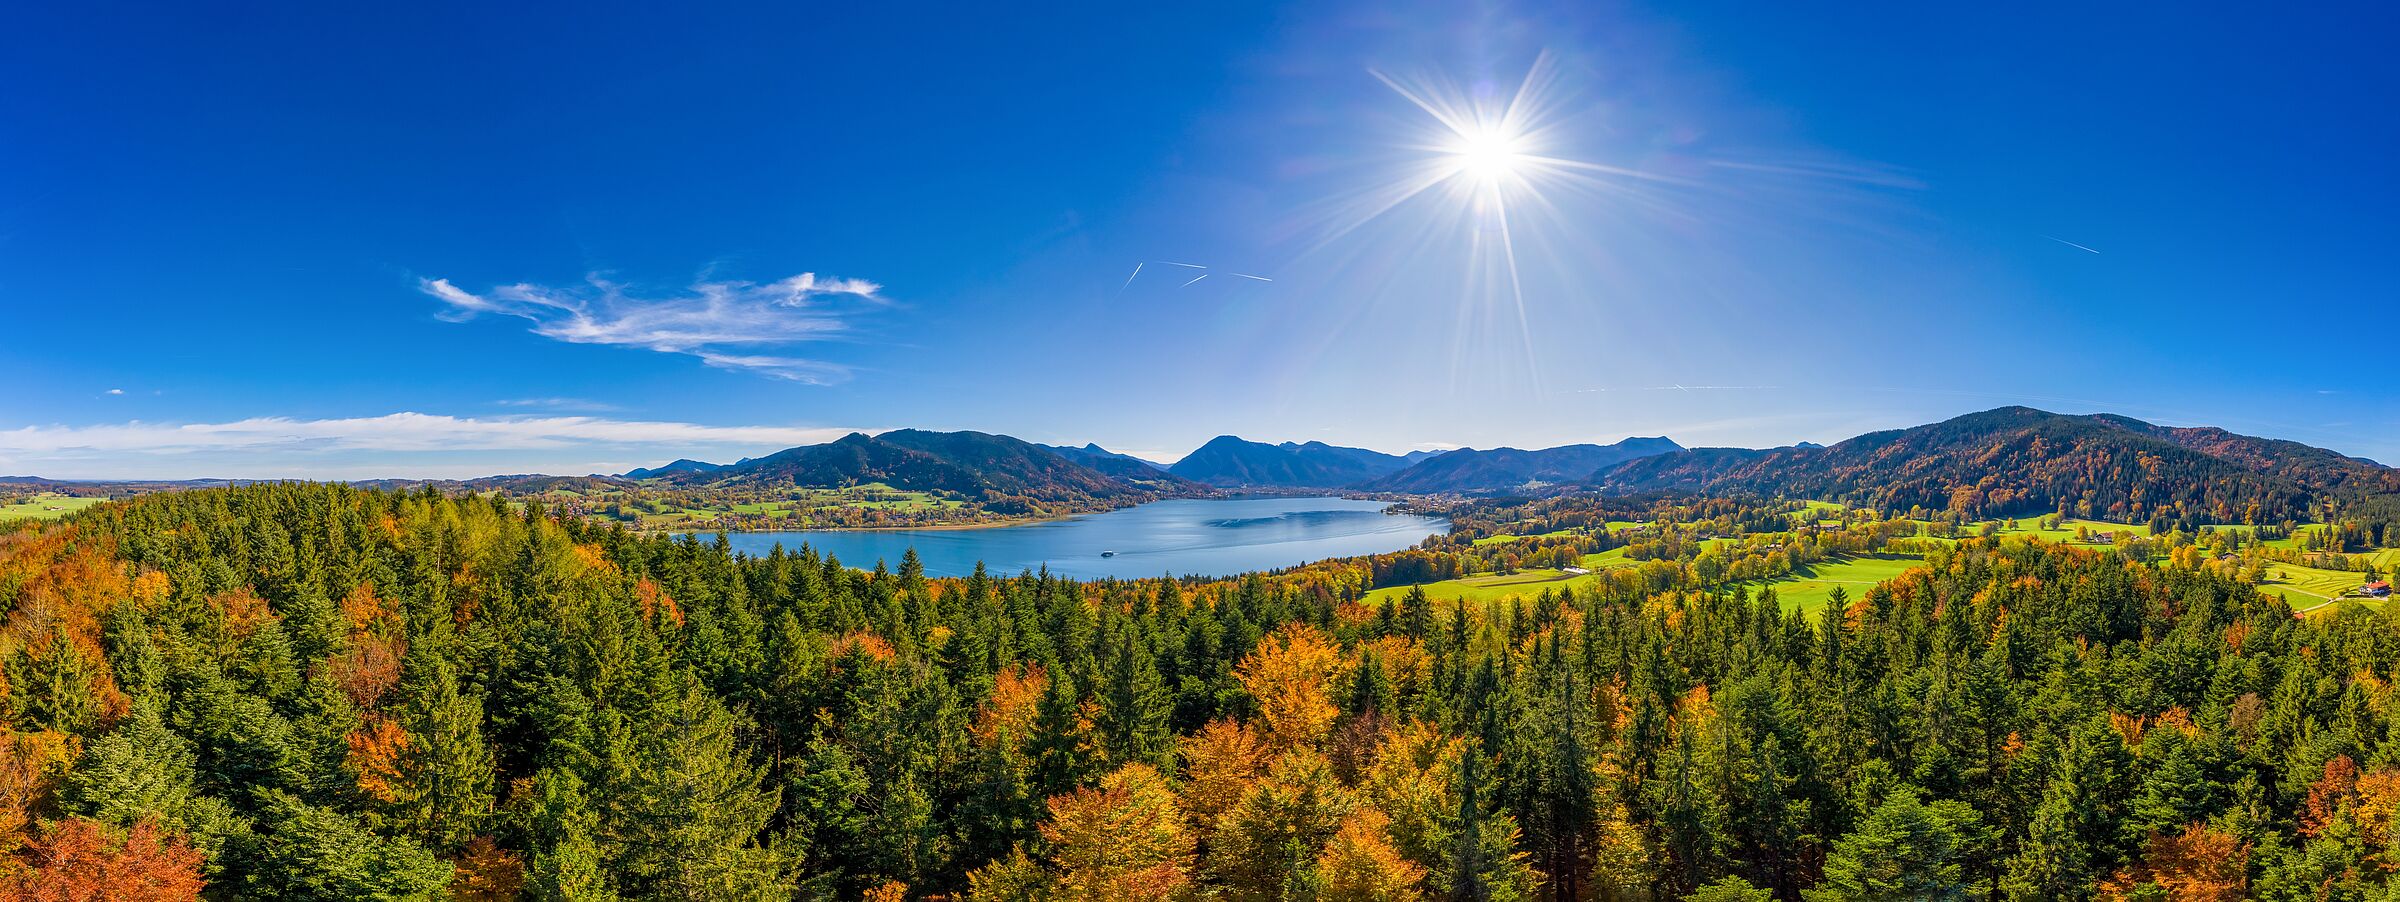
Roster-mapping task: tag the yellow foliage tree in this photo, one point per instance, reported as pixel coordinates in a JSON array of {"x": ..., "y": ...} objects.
[
  {"x": 1285, "y": 819},
  {"x": 1122, "y": 840},
  {"x": 1360, "y": 863},
  {"x": 1219, "y": 764},
  {"x": 1289, "y": 674},
  {"x": 1410, "y": 785}
]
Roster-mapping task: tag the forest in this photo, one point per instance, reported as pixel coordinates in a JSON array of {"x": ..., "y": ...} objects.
[{"x": 307, "y": 691}]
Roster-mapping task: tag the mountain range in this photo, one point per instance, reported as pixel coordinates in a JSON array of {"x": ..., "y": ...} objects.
[
  {"x": 1232, "y": 462},
  {"x": 1503, "y": 469},
  {"x": 2018, "y": 460},
  {"x": 2004, "y": 462}
]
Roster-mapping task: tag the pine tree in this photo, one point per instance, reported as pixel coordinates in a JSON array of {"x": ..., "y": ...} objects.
[
  {"x": 51, "y": 686},
  {"x": 142, "y": 771},
  {"x": 1061, "y": 747},
  {"x": 444, "y": 784},
  {"x": 565, "y": 865},
  {"x": 687, "y": 822},
  {"x": 830, "y": 805},
  {"x": 314, "y": 854},
  {"x": 1135, "y": 708},
  {"x": 1905, "y": 851}
]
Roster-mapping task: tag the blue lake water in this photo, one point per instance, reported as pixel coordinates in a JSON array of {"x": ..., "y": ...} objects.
[{"x": 1188, "y": 537}]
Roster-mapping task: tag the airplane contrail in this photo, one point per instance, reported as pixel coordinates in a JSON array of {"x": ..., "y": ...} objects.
[
  {"x": 1137, "y": 272},
  {"x": 2069, "y": 243}
]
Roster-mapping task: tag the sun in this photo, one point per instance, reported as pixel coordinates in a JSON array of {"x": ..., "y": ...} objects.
[{"x": 1488, "y": 154}]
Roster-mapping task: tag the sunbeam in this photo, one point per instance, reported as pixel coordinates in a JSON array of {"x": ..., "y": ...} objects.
[{"x": 1486, "y": 158}]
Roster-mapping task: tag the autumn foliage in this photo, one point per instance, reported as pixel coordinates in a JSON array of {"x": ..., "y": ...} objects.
[
  {"x": 2195, "y": 864},
  {"x": 1289, "y": 675},
  {"x": 81, "y": 861},
  {"x": 1121, "y": 840}
]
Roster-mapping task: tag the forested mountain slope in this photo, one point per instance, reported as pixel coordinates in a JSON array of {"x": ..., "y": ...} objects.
[
  {"x": 1227, "y": 461},
  {"x": 315, "y": 692},
  {"x": 679, "y": 465},
  {"x": 1504, "y": 469},
  {"x": 990, "y": 468},
  {"x": 1130, "y": 470},
  {"x": 2016, "y": 460}
]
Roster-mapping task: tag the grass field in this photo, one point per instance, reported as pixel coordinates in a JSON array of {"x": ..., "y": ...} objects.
[
  {"x": 1523, "y": 583},
  {"x": 2307, "y": 586},
  {"x": 46, "y": 506},
  {"x": 1808, "y": 588},
  {"x": 1495, "y": 540}
]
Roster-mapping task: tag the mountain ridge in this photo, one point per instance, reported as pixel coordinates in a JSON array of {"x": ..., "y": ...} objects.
[
  {"x": 2019, "y": 460},
  {"x": 1230, "y": 461},
  {"x": 1468, "y": 470}
]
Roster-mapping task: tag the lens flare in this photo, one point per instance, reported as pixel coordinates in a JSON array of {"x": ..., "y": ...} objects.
[{"x": 1490, "y": 158}]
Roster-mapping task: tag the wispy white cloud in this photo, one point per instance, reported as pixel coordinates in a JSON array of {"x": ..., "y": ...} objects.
[
  {"x": 725, "y": 324},
  {"x": 116, "y": 391},
  {"x": 556, "y": 403},
  {"x": 397, "y": 444}
]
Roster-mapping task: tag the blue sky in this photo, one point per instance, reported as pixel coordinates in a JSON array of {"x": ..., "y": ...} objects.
[{"x": 449, "y": 240}]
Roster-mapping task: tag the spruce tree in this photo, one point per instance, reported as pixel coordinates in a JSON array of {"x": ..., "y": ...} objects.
[
  {"x": 1135, "y": 709},
  {"x": 445, "y": 776}
]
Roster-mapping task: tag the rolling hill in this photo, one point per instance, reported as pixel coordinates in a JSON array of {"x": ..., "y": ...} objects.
[
  {"x": 1502, "y": 469},
  {"x": 995, "y": 469},
  {"x": 681, "y": 465},
  {"x": 1228, "y": 461},
  {"x": 2017, "y": 460}
]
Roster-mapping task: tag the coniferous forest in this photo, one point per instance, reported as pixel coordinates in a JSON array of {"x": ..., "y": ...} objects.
[{"x": 299, "y": 691}]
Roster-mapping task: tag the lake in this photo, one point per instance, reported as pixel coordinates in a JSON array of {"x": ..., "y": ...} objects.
[{"x": 1187, "y": 537}]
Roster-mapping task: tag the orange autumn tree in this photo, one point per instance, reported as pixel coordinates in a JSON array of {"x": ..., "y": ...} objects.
[
  {"x": 2329, "y": 796},
  {"x": 1289, "y": 675},
  {"x": 1360, "y": 863},
  {"x": 30, "y": 764},
  {"x": 487, "y": 873},
  {"x": 1122, "y": 840},
  {"x": 2376, "y": 811},
  {"x": 1219, "y": 764},
  {"x": 370, "y": 665},
  {"x": 2195, "y": 865},
  {"x": 376, "y": 749},
  {"x": 77, "y": 860},
  {"x": 1016, "y": 692}
]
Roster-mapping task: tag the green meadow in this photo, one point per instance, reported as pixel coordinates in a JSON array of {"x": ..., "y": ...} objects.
[
  {"x": 1523, "y": 583},
  {"x": 1807, "y": 588},
  {"x": 46, "y": 506}
]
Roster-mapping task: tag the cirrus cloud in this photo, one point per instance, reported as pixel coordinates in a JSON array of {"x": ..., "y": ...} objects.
[{"x": 733, "y": 325}]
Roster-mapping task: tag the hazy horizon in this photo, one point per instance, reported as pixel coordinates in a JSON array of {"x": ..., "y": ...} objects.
[{"x": 280, "y": 440}]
